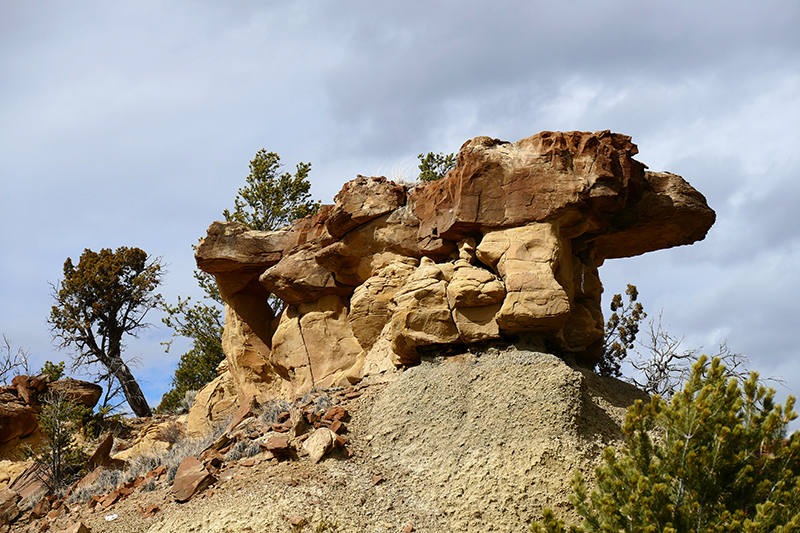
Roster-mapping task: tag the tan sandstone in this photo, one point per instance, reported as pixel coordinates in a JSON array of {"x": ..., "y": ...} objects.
[{"x": 507, "y": 245}]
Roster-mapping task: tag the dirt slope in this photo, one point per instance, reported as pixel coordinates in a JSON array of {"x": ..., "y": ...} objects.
[{"x": 466, "y": 443}]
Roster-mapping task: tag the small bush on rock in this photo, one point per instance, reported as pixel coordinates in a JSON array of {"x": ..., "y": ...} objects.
[
  {"x": 433, "y": 167},
  {"x": 53, "y": 370},
  {"x": 60, "y": 454},
  {"x": 722, "y": 463}
]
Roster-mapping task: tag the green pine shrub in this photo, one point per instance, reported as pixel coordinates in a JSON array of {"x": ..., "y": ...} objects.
[{"x": 721, "y": 461}]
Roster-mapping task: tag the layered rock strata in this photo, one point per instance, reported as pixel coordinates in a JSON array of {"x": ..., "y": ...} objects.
[{"x": 508, "y": 244}]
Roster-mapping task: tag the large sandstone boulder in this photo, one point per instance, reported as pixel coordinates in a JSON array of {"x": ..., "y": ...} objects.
[
  {"x": 507, "y": 245},
  {"x": 76, "y": 390},
  {"x": 16, "y": 421}
]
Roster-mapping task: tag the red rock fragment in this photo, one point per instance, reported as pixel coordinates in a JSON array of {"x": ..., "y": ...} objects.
[
  {"x": 191, "y": 478},
  {"x": 78, "y": 527},
  {"x": 336, "y": 413},
  {"x": 149, "y": 511},
  {"x": 41, "y": 508},
  {"x": 278, "y": 445}
]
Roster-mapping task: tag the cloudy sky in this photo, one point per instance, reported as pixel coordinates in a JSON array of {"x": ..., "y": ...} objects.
[{"x": 132, "y": 124}]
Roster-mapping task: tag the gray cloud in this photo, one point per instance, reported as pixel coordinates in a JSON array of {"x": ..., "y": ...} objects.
[{"x": 132, "y": 124}]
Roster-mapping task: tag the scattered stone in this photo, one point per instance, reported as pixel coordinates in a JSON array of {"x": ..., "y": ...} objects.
[
  {"x": 92, "y": 502},
  {"x": 336, "y": 413},
  {"x": 157, "y": 472},
  {"x": 78, "y": 527},
  {"x": 191, "y": 478},
  {"x": 149, "y": 511},
  {"x": 297, "y": 422},
  {"x": 297, "y": 521},
  {"x": 110, "y": 499},
  {"x": 55, "y": 513},
  {"x": 247, "y": 409},
  {"x": 319, "y": 443},
  {"x": 212, "y": 459},
  {"x": 278, "y": 445},
  {"x": 41, "y": 508},
  {"x": 409, "y": 528}
]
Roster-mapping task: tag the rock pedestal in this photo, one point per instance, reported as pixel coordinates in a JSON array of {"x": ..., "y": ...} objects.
[{"x": 508, "y": 244}]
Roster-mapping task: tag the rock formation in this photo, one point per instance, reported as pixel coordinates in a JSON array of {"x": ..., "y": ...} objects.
[
  {"x": 20, "y": 403},
  {"x": 507, "y": 245}
]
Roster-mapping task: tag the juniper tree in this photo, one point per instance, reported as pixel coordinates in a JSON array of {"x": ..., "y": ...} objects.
[
  {"x": 716, "y": 458},
  {"x": 271, "y": 200},
  {"x": 102, "y": 299},
  {"x": 620, "y": 331}
]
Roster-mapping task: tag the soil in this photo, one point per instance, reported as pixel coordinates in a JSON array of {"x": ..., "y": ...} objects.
[{"x": 469, "y": 443}]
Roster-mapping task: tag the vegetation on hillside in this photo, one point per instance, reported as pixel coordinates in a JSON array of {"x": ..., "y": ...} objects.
[
  {"x": 60, "y": 456},
  {"x": 714, "y": 458},
  {"x": 620, "y": 331}
]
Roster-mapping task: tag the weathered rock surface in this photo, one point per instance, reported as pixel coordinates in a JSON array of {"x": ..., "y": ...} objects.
[
  {"x": 192, "y": 477},
  {"x": 319, "y": 443},
  {"x": 20, "y": 402},
  {"x": 216, "y": 401},
  {"x": 76, "y": 390},
  {"x": 8, "y": 507},
  {"x": 17, "y": 420},
  {"x": 507, "y": 245}
]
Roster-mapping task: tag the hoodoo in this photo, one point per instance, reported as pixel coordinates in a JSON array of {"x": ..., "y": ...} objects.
[{"x": 506, "y": 246}]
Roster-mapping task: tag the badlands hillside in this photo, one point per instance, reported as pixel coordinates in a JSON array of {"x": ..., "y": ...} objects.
[{"x": 430, "y": 370}]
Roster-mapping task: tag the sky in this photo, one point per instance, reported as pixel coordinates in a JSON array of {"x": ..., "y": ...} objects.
[{"x": 132, "y": 123}]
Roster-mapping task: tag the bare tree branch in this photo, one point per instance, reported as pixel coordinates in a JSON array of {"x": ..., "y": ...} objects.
[{"x": 12, "y": 362}]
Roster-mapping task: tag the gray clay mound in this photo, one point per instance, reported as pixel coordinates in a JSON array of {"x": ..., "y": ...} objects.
[{"x": 494, "y": 438}]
